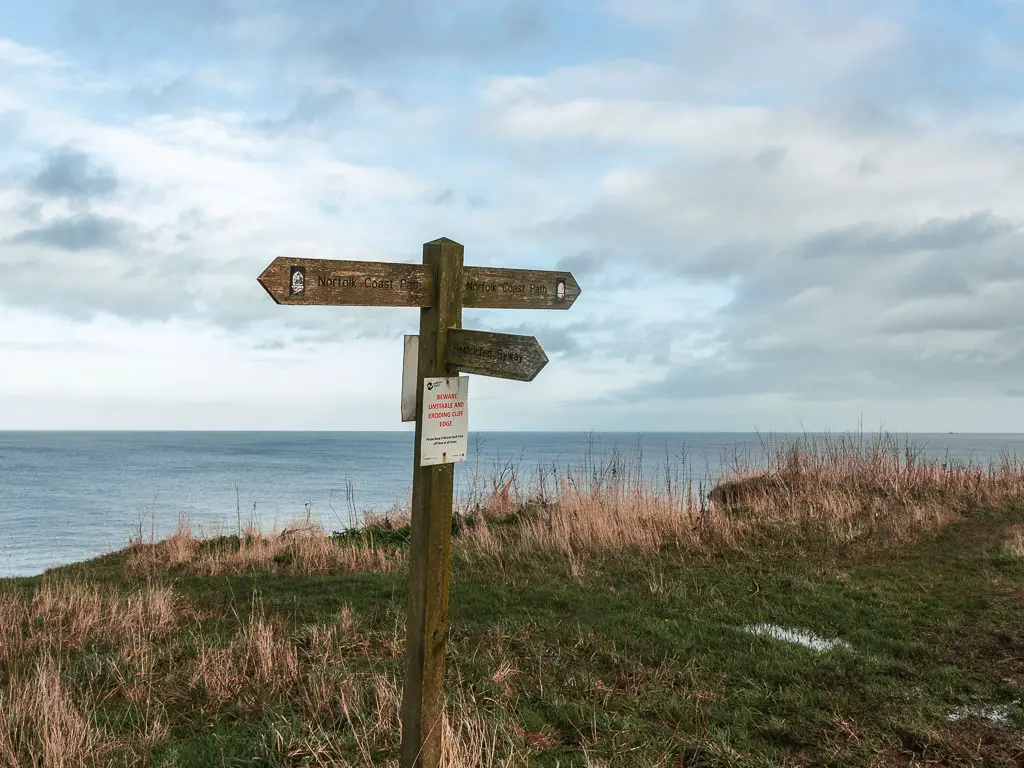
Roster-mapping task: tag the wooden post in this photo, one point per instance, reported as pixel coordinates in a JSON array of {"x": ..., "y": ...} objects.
[{"x": 431, "y": 544}]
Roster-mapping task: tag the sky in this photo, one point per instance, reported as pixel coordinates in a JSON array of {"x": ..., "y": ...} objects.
[{"x": 784, "y": 215}]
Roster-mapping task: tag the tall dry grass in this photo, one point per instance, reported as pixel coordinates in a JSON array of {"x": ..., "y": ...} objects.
[
  {"x": 63, "y": 615},
  {"x": 42, "y": 725},
  {"x": 848, "y": 487},
  {"x": 45, "y": 719},
  {"x": 298, "y": 548},
  {"x": 317, "y": 689},
  {"x": 836, "y": 488},
  {"x": 1015, "y": 542}
]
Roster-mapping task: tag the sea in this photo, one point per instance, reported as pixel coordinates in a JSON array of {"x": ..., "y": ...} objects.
[{"x": 69, "y": 496}]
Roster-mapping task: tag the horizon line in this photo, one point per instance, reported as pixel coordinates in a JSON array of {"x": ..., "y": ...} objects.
[{"x": 410, "y": 431}]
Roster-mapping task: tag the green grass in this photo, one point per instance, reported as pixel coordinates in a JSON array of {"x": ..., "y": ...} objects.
[{"x": 629, "y": 659}]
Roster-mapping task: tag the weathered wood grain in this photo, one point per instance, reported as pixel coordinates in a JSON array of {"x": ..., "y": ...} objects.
[
  {"x": 349, "y": 283},
  {"x": 431, "y": 528},
  {"x": 503, "y": 355},
  {"x": 335, "y": 282},
  {"x": 500, "y": 288}
]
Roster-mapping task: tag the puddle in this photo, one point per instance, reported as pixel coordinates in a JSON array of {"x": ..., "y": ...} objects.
[
  {"x": 997, "y": 714},
  {"x": 798, "y": 636}
]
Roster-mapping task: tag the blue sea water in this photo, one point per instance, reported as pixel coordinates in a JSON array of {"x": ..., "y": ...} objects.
[{"x": 67, "y": 496}]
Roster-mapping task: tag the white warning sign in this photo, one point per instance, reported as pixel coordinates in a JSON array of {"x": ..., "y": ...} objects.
[{"x": 445, "y": 420}]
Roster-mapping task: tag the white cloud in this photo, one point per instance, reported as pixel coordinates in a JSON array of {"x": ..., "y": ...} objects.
[
  {"x": 728, "y": 48},
  {"x": 771, "y": 207},
  {"x": 631, "y": 122},
  {"x": 822, "y": 224},
  {"x": 14, "y": 54},
  {"x": 262, "y": 30}
]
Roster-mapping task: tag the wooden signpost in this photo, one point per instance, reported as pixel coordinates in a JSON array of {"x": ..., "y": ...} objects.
[{"x": 441, "y": 286}]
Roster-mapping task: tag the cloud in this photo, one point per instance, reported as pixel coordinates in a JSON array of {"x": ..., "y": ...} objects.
[
  {"x": 725, "y": 50},
  {"x": 165, "y": 95},
  {"x": 197, "y": 207},
  {"x": 11, "y": 126},
  {"x": 82, "y": 232},
  {"x": 939, "y": 322},
  {"x": 359, "y": 37},
  {"x": 444, "y": 197},
  {"x": 370, "y": 34},
  {"x": 865, "y": 252},
  {"x": 937, "y": 234},
  {"x": 325, "y": 106},
  {"x": 779, "y": 205},
  {"x": 14, "y": 54},
  {"x": 72, "y": 174}
]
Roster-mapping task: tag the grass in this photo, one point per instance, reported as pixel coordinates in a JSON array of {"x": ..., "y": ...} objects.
[
  {"x": 602, "y": 620},
  {"x": 1015, "y": 541}
]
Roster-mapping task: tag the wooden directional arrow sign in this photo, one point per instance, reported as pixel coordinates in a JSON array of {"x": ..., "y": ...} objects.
[
  {"x": 340, "y": 283},
  {"x": 497, "y": 287},
  {"x": 503, "y": 355},
  {"x": 385, "y": 284}
]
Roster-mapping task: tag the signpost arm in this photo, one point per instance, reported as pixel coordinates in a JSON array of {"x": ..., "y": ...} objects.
[{"x": 431, "y": 540}]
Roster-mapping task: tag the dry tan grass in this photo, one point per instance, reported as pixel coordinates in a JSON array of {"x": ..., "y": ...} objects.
[
  {"x": 299, "y": 555},
  {"x": 65, "y": 614},
  {"x": 179, "y": 547},
  {"x": 41, "y": 724},
  {"x": 257, "y": 662},
  {"x": 839, "y": 488},
  {"x": 1015, "y": 544},
  {"x": 12, "y": 617},
  {"x": 76, "y": 612},
  {"x": 606, "y": 518},
  {"x": 296, "y": 549},
  {"x": 43, "y": 720},
  {"x": 334, "y": 676},
  {"x": 842, "y": 489},
  {"x": 848, "y": 489},
  {"x": 468, "y": 739}
]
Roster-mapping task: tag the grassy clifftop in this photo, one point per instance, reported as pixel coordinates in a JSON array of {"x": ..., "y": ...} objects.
[{"x": 848, "y": 606}]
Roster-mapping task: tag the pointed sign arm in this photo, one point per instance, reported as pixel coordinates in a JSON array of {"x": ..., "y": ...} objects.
[
  {"x": 503, "y": 355},
  {"x": 498, "y": 287},
  {"x": 348, "y": 283}
]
